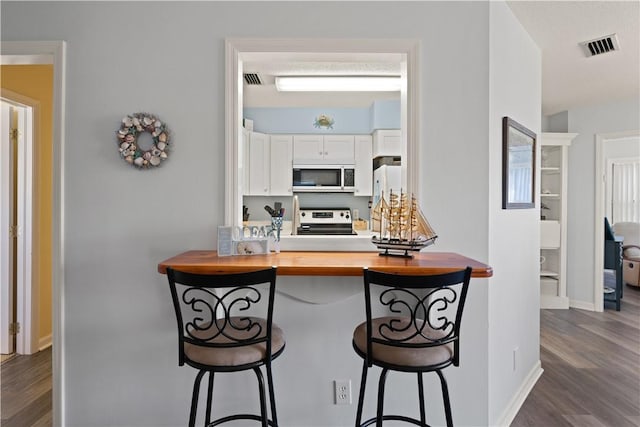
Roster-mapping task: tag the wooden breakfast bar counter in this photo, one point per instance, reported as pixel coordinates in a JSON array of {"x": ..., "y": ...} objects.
[{"x": 324, "y": 263}]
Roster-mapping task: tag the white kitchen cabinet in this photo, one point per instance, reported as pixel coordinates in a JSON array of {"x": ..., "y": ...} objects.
[
  {"x": 317, "y": 149},
  {"x": 363, "y": 165},
  {"x": 308, "y": 148},
  {"x": 244, "y": 164},
  {"x": 554, "y": 149},
  {"x": 387, "y": 142},
  {"x": 258, "y": 155},
  {"x": 339, "y": 149},
  {"x": 281, "y": 165}
]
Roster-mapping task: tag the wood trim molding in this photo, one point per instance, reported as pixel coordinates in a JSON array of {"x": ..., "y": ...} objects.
[
  {"x": 25, "y": 52},
  {"x": 599, "y": 209},
  {"x": 583, "y": 305},
  {"x": 510, "y": 412}
]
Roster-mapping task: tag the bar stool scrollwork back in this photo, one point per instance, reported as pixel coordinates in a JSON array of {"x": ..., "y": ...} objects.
[
  {"x": 418, "y": 332},
  {"x": 225, "y": 324}
]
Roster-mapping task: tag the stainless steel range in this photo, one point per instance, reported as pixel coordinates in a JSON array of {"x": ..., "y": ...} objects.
[{"x": 331, "y": 221}]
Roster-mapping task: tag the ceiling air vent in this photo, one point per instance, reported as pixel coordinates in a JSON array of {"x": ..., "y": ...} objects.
[
  {"x": 601, "y": 45},
  {"x": 252, "y": 79}
]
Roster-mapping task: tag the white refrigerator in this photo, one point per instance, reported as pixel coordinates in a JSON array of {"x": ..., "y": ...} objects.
[{"x": 385, "y": 179}]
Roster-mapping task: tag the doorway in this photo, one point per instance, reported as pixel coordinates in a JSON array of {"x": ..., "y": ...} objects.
[
  {"x": 17, "y": 328},
  {"x": 604, "y": 145}
]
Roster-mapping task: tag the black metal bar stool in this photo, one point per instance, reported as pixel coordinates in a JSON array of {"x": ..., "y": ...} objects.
[
  {"x": 225, "y": 325},
  {"x": 420, "y": 332}
]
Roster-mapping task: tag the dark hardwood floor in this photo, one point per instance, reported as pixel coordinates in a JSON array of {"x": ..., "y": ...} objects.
[
  {"x": 25, "y": 391},
  {"x": 591, "y": 376},
  {"x": 591, "y": 365}
]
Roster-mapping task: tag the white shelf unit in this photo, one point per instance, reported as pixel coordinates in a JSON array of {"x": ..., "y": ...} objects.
[{"x": 554, "y": 150}]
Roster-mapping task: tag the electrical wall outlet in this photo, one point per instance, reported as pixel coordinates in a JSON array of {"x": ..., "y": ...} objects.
[{"x": 342, "y": 390}]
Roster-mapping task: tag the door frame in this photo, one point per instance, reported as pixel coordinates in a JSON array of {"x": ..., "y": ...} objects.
[
  {"x": 600, "y": 179},
  {"x": 52, "y": 52},
  {"x": 6, "y": 245},
  {"x": 27, "y": 314}
]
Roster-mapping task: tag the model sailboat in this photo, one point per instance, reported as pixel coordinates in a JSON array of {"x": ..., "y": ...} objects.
[{"x": 401, "y": 225}]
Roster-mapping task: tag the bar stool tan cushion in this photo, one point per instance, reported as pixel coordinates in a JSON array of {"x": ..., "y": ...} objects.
[
  {"x": 234, "y": 356},
  {"x": 411, "y": 357}
]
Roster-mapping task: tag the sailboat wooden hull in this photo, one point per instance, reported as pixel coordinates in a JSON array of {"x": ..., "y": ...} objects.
[{"x": 403, "y": 246}]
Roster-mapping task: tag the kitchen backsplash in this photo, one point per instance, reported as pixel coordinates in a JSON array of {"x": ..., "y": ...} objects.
[{"x": 307, "y": 200}]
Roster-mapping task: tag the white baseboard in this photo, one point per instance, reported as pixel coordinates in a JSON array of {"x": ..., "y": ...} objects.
[
  {"x": 582, "y": 305},
  {"x": 553, "y": 302},
  {"x": 44, "y": 342},
  {"x": 518, "y": 399}
]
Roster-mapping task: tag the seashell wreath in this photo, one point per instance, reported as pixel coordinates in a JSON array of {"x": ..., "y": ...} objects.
[{"x": 135, "y": 124}]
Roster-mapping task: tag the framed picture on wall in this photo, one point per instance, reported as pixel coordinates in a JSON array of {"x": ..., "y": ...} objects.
[{"x": 518, "y": 165}]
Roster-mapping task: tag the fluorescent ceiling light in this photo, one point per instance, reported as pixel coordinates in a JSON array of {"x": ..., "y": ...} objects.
[{"x": 338, "y": 83}]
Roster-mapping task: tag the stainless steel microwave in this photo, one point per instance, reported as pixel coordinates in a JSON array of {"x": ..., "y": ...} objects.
[{"x": 329, "y": 178}]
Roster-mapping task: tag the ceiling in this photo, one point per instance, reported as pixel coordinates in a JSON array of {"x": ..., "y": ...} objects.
[
  {"x": 269, "y": 65},
  {"x": 569, "y": 78}
]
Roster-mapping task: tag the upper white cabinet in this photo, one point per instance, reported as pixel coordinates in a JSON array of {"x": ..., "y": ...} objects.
[
  {"x": 269, "y": 159},
  {"x": 339, "y": 148},
  {"x": 280, "y": 181},
  {"x": 364, "y": 166},
  {"x": 554, "y": 150},
  {"x": 387, "y": 142},
  {"x": 308, "y": 148},
  {"x": 257, "y": 164},
  {"x": 267, "y": 164},
  {"x": 316, "y": 149}
]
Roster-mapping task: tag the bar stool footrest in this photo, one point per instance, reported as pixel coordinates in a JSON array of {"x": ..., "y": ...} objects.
[
  {"x": 372, "y": 421},
  {"x": 238, "y": 417}
]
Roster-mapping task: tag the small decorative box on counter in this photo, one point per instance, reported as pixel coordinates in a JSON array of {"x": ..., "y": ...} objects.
[
  {"x": 251, "y": 246},
  {"x": 243, "y": 241}
]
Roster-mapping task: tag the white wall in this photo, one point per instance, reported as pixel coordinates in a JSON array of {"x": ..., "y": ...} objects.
[
  {"x": 168, "y": 58},
  {"x": 558, "y": 122},
  {"x": 514, "y": 292},
  {"x": 588, "y": 122}
]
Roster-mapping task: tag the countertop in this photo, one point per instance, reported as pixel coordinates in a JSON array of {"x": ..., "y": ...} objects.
[{"x": 327, "y": 263}]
